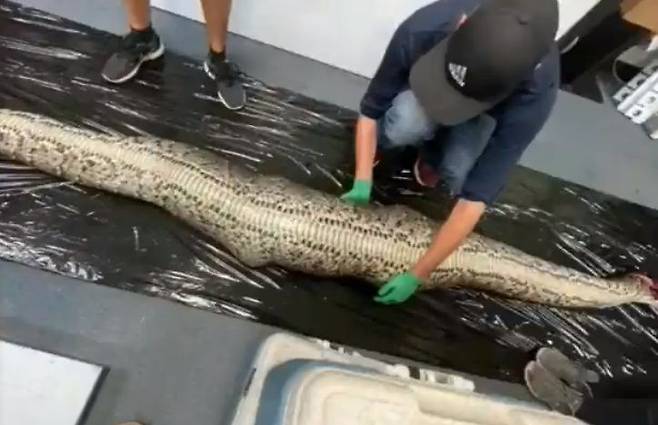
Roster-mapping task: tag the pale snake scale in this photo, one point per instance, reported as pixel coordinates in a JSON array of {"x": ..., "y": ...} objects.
[{"x": 270, "y": 220}]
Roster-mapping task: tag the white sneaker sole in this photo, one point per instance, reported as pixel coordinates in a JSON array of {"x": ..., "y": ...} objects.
[
  {"x": 417, "y": 175},
  {"x": 150, "y": 57},
  {"x": 564, "y": 364},
  {"x": 526, "y": 378},
  {"x": 209, "y": 73}
]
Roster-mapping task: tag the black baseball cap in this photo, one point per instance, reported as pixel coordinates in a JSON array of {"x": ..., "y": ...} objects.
[{"x": 485, "y": 59}]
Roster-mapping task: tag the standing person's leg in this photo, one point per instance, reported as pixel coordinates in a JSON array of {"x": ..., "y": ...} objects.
[
  {"x": 140, "y": 45},
  {"x": 216, "y": 13},
  {"x": 139, "y": 14},
  {"x": 229, "y": 90}
]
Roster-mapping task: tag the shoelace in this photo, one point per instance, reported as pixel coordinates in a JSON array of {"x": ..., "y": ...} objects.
[
  {"x": 132, "y": 43},
  {"x": 228, "y": 72}
]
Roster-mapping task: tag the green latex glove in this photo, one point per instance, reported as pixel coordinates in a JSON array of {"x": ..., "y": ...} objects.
[
  {"x": 360, "y": 193},
  {"x": 398, "y": 290}
]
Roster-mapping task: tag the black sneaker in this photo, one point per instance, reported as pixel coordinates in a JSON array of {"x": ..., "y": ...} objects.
[
  {"x": 136, "y": 48},
  {"x": 226, "y": 75}
]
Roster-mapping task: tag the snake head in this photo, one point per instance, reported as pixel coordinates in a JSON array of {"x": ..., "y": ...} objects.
[{"x": 647, "y": 282}]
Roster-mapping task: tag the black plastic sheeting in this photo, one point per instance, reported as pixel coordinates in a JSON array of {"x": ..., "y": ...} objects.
[{"x": 51, "y": 66}]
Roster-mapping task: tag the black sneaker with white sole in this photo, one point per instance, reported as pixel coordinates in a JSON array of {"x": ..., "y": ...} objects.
[
  {"x": 136, "y": 48},
  {"x": 227, "y": 78}
]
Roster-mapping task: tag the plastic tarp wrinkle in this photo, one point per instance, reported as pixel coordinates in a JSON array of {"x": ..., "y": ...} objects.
[{"x": 51, "y": 66}]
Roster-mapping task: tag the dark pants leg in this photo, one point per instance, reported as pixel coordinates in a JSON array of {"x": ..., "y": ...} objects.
[
  {"x": 455, "y": 150},
  {"x": 632, "y": 400},
  {"x": 601, "y": 411},
  {"x": 451, "y": 151}
]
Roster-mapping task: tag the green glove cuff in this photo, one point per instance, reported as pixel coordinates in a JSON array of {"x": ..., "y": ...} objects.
[
  {"x": 360, "y": 193},
  {"x": 362, "y": 187},
  {"x": 411, "y": 280}
]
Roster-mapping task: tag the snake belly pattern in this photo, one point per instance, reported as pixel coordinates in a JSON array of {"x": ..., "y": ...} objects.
[{"x": 270, "y": 220}]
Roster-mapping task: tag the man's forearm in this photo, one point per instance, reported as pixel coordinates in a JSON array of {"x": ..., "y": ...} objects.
[
  {"x": 365, "y": 146},
  {"x": 461, "y": 222}
]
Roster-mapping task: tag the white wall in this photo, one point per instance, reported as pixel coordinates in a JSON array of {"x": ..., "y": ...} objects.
[
  {"x": 348, "y": 34},
  {"x": 571, "y": 11}
]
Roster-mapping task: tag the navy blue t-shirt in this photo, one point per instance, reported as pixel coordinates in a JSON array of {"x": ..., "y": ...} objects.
[{"x": 519, "y": 117}]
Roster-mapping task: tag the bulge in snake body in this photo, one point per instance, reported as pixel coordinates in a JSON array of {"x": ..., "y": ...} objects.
[{"x": 270, "y": 220}]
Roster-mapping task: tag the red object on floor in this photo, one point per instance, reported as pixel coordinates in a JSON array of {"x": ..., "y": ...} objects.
[{"x": 425, "y": 175}]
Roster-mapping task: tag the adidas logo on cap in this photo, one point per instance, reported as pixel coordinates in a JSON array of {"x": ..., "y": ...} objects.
[{"x": 458, "y": 73}]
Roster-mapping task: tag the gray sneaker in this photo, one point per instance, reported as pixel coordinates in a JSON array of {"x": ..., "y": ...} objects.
[
  {"x": 136, "y": 48},
  {"x": 549, "y": 389},
  {"x": 575, "y": 375},
  {"x": 227, "y": 79}
]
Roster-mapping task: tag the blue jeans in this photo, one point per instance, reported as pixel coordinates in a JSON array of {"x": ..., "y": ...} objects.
[{"x": 451, "y": 151}]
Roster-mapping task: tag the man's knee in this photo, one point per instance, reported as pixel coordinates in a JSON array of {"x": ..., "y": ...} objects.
[{"x": 405, "y": 123}]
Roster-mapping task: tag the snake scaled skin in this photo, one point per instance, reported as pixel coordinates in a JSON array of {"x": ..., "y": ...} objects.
[{"x": 270, "y": 220}]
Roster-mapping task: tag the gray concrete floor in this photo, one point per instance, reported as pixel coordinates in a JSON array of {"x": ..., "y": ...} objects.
[{"x": 168, "y": 364}]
